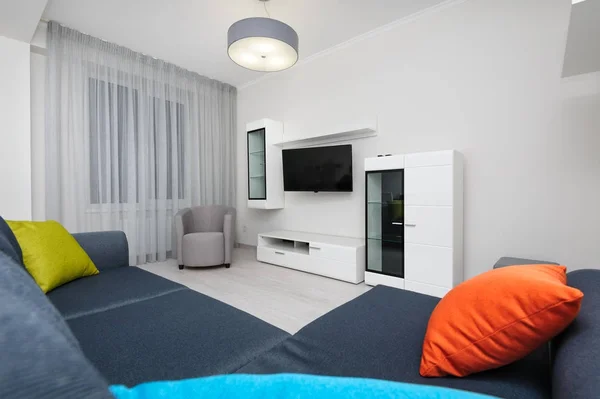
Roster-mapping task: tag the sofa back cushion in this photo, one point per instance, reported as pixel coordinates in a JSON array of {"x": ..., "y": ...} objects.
[
  {"x": 39, "y": 358},
  {"x": 9, "y": 244},
  {"x": 576, "y": 351},
  {"x": 107, "y": 249},
  {"x": 510, "y": 261}
]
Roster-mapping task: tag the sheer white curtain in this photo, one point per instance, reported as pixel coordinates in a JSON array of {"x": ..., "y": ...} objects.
[{"x": 130, "y": 140}]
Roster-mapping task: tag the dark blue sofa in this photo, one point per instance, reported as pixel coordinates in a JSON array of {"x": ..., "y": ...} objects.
[
  {"x": 380, "y": 335},
  {"x": 134, "y": 326}
]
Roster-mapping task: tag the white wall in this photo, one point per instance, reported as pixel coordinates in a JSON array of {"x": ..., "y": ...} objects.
[
  {"x": 15, "y": 137},
  {"x": 38, "y": 136},
  {"x": 38, "y": 121},
  {"x": 482, "y": 77}
]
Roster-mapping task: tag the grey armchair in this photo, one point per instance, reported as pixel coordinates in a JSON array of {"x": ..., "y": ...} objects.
[{"x": 204, "y": 236}]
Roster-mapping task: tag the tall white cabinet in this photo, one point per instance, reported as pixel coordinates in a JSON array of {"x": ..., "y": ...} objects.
[
  {"x": 265, "y": 174},
  {"x": 414, "y": 221}
]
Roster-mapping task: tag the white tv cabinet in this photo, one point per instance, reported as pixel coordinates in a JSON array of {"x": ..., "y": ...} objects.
[{"x": 341, "y": 258}]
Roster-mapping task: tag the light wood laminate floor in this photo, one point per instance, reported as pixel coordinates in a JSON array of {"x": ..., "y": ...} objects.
[{"x": 286, "y": 298}]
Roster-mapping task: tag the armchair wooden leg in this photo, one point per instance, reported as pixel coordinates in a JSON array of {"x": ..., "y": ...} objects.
[
  {"x": 227, "y": 265},
  {"x": 180, "y": 267}
]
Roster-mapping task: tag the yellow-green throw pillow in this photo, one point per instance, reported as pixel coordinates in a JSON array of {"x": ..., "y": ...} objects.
[{"x": 51, "y": 255}]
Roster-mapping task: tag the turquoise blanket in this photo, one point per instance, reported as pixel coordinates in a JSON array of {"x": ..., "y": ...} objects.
[{"x": 286, "y": 386}]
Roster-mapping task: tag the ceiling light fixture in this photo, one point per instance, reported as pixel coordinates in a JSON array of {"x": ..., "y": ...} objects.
[{"x": 262, "y": 44}]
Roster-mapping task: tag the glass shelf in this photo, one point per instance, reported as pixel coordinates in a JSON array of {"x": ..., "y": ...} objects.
[
  {"x": 395, "y": 240},
  {"x": 385, "y": 222},
  {"x": 256, "y": 165}
]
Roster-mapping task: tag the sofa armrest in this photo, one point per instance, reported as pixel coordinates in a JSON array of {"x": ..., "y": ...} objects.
[
  {"x": 229, "y": 235},
  {"x": 107, "y": 249}
]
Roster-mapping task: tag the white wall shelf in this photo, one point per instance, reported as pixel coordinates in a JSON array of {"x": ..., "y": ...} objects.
[{"x": 354, "y": 132}]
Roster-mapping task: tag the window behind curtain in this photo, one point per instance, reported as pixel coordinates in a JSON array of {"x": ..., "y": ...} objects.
[
  {"x": 113, "y": 111},
  {"x": 174, "y": 119}
]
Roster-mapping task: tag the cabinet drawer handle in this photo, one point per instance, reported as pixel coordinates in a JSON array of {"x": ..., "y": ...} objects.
[
  {"x": 410, "y": 225},
  {"x": 397, "y": 223},
  {"x": 317, "y": 248},
  {"x": 280, "y": 253}
]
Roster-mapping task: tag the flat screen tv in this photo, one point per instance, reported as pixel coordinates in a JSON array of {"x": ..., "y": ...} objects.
[{"x": 318, "y": 169}]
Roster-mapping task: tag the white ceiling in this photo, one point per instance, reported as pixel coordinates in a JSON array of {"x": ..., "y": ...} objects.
[
  {"x": 193, "y": 33},
  {"x": 19, "y": 18},
  {"x": 583, "y": 49}
]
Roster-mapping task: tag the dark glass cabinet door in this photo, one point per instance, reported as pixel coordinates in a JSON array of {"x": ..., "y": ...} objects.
[
  {"x": 385, "y": 222},
  {"x": 257, "y": 178}
]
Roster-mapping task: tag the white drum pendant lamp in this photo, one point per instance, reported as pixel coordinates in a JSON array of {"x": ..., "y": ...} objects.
[{"x": 262, "y": 44}]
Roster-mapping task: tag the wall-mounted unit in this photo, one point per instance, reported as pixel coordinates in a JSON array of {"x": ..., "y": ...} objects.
[
  {"x": 345, "y": 132},
  {"x": 265, "y": 172},
  {"x": 414, "y": 221}
]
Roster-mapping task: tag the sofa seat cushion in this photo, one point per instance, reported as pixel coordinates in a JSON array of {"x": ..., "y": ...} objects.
[
  {"x": 203, "y": 249},
  {"x": 109, "y": 289},
  {"x": 180, "y": 335},
  {"x": 576, "y": 350},
  {"x": 380, "y": 335}
]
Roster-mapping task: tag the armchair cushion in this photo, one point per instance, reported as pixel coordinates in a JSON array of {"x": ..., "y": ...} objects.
[{"x": 203, "y": 249}]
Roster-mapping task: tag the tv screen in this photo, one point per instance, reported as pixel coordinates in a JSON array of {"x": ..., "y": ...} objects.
[{"x": 318, "y": 169}]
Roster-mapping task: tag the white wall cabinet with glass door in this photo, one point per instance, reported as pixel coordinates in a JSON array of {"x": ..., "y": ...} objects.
[
  {"x": 265, "y": 169},
  {"x": 414, "y": 221}
]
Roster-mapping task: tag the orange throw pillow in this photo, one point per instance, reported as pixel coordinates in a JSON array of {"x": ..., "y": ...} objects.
[{"x": 496, "y": 318}]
